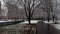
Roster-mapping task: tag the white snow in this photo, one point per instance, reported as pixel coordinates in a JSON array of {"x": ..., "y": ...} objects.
[
  {"x": 6, "y": 21},
  {"x": 58, "y": 22},
  {"x": 56, "y": 26},
  {"x": 3, "y": 21},
  {"x": 25, "y": 22},
  {"x": 48, "y": 22},
  {"x": 32, "y": 21}
]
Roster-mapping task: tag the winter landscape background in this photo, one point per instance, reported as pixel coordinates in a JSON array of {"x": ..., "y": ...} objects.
[{"x": 15, "y": 10}]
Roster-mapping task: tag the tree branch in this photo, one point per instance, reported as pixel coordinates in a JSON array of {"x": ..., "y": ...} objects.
[
  {"x": 23, "y": 2},
  {"x": 10, "y": 4},
  {"x": 26, "y": 10}
]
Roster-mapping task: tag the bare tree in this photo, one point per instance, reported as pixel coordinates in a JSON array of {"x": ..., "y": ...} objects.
[
  {"x": 49, "y": 8},
  {"x": 29, "y": 7},
  {"x": 54, "y": 15}
]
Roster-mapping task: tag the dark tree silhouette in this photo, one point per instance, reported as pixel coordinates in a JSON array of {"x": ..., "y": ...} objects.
[
  {"x": 54, "y": 15},
  {"x": 53, "y": 18},
  {"x": 29, "y": 10},
  {"x": 29, "y": 7},
  {"x": 49, "y": 8}
]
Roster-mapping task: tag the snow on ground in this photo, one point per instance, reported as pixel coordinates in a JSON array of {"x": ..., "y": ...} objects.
[
  {"x": 56, "y": 26},
  {"x": 32, "y": 21},
  {"x": 35, "y": 21},
  {"x": 25, "y": 22},
  {"x": 3, "y": 21},
  {"x": 58, "y": 22},
  {"x": 6, "y": 21},
  {"x": 48, "y": 22}
]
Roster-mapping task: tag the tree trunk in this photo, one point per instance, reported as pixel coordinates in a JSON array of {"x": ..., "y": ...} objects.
[
  {"x": 53, "y": 18},
  {"x": 48, "y": 19},
  {"x": 48, "y": 16},
  {"x": 29, "y": 21}
]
